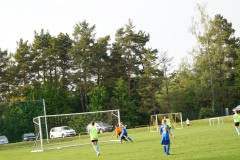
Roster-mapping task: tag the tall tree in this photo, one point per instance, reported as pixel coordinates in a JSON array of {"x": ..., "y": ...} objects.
[
  {"x": 200, "y": 29},
  {"x": 24, "y": 60},
  {"x": 224, "y": 50},
  {"x": 149, "y": 83},
  {"x": 132, "y": 49},
  {"x": 4, "y": 60},
  {"x": 165, "y": 64},
  {"x": 215, "y": 56},
  {"x": 84, "y": 38},
  {"x": 42, "y": 56},
  {"x": 60, "y": 48},
  {"x": 115, "y": 67},
  {"x": 237, "y": 70},
  {"x": 100, "y": 60}
]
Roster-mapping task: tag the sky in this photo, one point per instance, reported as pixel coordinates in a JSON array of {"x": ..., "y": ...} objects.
[{"x": 166, "y": 21}]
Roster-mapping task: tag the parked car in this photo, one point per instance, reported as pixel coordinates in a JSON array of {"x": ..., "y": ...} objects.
[
  {"x": 28, "y": 137},
  {"x": 63, "y": 131},
  {"x": 102, "y": 127},
  {"x": 3, "y": 139}
]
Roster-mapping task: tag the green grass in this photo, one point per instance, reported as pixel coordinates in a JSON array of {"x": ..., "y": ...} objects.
[{"x": 199, "y": 142}]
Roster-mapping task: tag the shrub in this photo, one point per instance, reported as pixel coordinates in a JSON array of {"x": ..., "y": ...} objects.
[{"x": 205, "y": 113}]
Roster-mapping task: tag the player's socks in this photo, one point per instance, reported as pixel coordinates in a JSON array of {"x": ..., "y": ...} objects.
[
  {"x": 97, "y": 148},
  {"x": 165, "y": 150},
  {"x": 168, "y": 148},
  {"x": 130, "y": 139},
  {"x": 237, "y": 131},
  {"x": 121, "y": 139}
]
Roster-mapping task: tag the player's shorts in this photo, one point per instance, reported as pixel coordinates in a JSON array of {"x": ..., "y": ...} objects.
[
  {"x": 188, "y": 124},
  {"x": 237, "y": 124},
  {"x": 94, "y": 140},
  {"x": 165, "y": 142},
  {"x": 124, "y": 133}
]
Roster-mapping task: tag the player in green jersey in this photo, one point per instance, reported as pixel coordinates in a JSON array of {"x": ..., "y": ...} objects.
[
  {"x": 236, "y": 118},
  {"x": 92, "y": 130}
]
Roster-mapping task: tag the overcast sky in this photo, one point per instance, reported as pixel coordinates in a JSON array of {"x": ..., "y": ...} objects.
[{"x": 167, "y": 21}]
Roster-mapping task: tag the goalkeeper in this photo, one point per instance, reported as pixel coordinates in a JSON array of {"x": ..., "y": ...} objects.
[
  {"x": 119, "y": 131},
  {"x": 168, "y": 121}
]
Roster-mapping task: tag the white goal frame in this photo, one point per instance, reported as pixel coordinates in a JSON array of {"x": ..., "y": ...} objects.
[
  {"x": 218, "y": 119},
  {"x": 39, "y": 143},
  {"x": 156, "y": 121}
]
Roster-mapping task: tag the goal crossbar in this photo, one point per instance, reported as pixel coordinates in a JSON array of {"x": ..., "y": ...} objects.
[{"x": 58, "y": 115}]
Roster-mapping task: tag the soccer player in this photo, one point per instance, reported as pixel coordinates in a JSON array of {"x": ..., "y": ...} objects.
[
  {"x": 169, "y": 122},
  {"x": 164, "y": 132},
  {"x": 236, "y": 118},
  {"x": 124, "y": 133},
  {"x": 92, "y": 130},
  {"x": 188, "y": 123},
  {"x": 119, "y": 131}
]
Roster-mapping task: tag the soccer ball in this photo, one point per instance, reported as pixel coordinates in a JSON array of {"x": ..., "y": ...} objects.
[{"x": 59, "y": 148}]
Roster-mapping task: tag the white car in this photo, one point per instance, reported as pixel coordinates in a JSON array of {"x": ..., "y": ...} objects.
[
  {"x": 3, "y": 139},
  {"x": 63, "y": 131}
]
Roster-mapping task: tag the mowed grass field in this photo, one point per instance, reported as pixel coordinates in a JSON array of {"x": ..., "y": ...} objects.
[{"x": 199, "y": 142}]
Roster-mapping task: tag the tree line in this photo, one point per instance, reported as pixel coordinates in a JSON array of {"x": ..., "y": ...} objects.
[{"x": 85, "y": 73}]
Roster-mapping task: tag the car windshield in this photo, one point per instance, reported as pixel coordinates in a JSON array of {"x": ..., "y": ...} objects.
[
  {"x": 29, "y": 134},
  {"x": 101, "y": 124},
  {"x": 66, "y": 128},
  {"x": 3, "y": 137}
]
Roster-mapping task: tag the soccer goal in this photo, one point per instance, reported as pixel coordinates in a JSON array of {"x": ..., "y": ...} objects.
[
  {"x": 217, "y": 119},
  {"x": 76, "y": 121},
  {"x": 156, "y": 121}
]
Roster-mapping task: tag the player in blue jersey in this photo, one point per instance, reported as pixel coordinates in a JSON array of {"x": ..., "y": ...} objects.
[
  {"x": 124, "y": 133},
  {"x": 118, "y": 130},
  {"x": 165, "y": 131}
]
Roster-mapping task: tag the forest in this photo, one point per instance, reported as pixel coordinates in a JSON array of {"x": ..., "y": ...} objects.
[{"x": 87, "y": 73}]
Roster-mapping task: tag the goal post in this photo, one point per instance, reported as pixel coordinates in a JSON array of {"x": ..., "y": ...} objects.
[
  {"x": 156, "y": 121},
  {"x": 76, "y": 121}
]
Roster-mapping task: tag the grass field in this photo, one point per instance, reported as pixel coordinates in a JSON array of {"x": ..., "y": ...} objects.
[{"x": 199, "y": 142}]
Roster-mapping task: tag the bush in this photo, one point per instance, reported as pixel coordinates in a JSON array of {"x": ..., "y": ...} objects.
[{"x": 205, "y": 113}]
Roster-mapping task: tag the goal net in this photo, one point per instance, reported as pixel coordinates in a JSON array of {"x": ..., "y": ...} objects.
[
  {"x": 156, "y": 121},
  {"x": 77, "y": 122}
]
